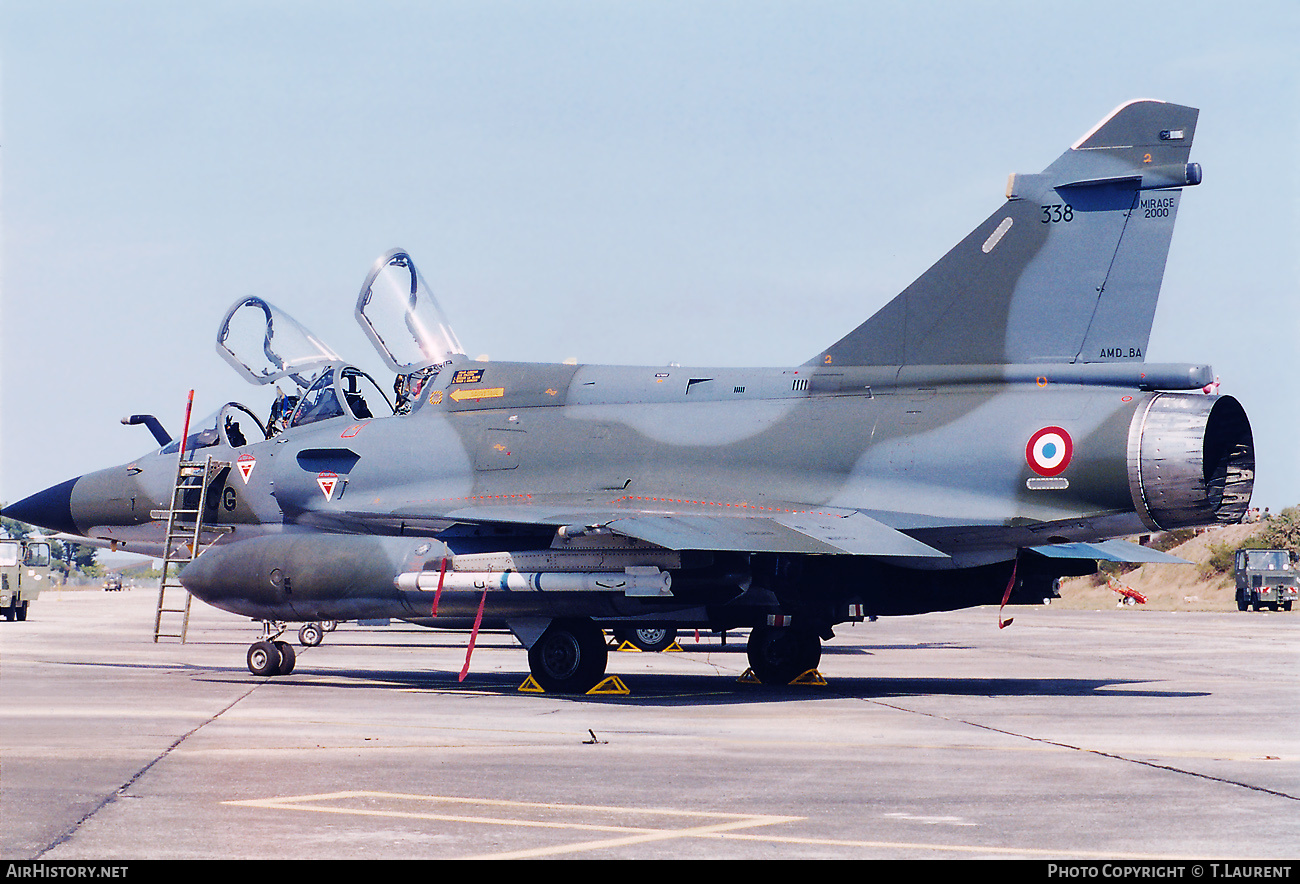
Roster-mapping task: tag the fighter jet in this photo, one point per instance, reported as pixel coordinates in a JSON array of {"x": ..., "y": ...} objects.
[{"x": 992, "y": 428}]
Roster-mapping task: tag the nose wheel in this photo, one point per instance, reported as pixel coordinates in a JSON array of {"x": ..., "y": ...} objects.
[{"x": 271, "y": 656}]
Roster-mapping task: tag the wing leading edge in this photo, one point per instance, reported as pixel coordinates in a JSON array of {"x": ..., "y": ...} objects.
[
  {"x": 846, "y": 532},
  {"x": 813, "y": 533}
]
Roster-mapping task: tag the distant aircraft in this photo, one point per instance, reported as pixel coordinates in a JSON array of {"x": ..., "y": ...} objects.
[{"x": 989, "y": 430}]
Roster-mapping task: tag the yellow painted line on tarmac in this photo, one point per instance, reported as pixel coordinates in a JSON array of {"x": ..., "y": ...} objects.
[
  {"x": 529, "y": 815},
  {"x": 626, "y": 834},
  {"x": 643, "y": 838},
  {"x": 315, "y": 803}
]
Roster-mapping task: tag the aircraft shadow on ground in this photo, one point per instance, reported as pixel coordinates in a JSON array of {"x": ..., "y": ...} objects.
[
  {"x": 676, "y": 689},
  {"x": 667, "y": 688}
]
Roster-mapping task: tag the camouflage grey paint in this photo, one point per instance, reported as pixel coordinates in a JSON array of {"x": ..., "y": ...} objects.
[
  {"x": 897, "y": 455},
  {"x": 997, "y": 418}
]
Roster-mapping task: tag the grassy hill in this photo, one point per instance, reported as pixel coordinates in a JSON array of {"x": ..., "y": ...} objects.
[{"x": 1194, "y": 587}]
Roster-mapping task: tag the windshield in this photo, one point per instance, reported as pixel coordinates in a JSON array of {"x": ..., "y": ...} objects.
[
  {"x": 1267, "y": 560},
  {"x": 232, "y": 424},
  {"x": 264, "y": 344},
  {"x": 402, "y": 318},
  {"x": 204, "y": 437},
  {"x": 8, "y": 553},
  {"x": 38, "y": 555}
]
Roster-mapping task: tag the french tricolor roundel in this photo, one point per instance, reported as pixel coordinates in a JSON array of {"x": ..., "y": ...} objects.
[{"x": 1049, "y": 451}]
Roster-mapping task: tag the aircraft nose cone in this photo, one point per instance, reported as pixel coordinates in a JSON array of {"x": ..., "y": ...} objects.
[{"x": 51, "y": 508}]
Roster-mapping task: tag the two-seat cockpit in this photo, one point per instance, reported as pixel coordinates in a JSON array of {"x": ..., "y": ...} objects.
[
  {"x": 121, "y": 505},
  {"x": 266, "y": 346}
]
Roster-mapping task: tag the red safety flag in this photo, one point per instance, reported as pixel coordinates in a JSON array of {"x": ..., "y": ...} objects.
[
  {"x": 1003, "y": 624},
  {"x": 442, "y": 573},
  {"x": 473, "y": 635}
]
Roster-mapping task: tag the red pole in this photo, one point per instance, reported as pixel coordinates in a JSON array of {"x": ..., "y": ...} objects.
[{"x": 186, "y": 432}]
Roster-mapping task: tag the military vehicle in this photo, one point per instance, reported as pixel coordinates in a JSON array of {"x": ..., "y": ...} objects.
[
  {"x": 1266, "y": 579},
  {"x": 24, "y": 571},
  {"x": 987, "y": 431}
]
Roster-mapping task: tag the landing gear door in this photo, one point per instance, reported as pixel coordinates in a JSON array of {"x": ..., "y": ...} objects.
[
  {"x": 264, "y": 344},
  {"x": 402, "y": 318}
]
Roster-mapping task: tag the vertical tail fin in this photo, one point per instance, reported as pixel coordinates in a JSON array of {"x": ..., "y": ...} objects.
[{"x": 1068, "y": 270}]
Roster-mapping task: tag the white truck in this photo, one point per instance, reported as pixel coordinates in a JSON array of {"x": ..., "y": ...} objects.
[{"x": 24, "y": 570}]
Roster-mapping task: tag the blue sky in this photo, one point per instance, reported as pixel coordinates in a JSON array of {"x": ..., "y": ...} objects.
[{"x": 708, "y": 183}]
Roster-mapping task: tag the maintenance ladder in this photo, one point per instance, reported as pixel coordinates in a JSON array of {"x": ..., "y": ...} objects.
[{"x": 184, "y": 540}]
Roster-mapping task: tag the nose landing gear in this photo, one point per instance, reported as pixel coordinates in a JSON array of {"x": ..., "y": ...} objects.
[{"x": 270, "y": 656}]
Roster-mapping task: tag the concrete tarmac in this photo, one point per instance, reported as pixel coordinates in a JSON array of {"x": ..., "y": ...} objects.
[{"x": 1074, "y": 735}]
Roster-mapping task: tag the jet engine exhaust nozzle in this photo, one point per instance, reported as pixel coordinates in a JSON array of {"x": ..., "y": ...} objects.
[{"x": 1191, "y": 461}]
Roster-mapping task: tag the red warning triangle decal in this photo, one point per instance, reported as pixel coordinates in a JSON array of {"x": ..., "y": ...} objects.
[{"x": 327, "y": 481}]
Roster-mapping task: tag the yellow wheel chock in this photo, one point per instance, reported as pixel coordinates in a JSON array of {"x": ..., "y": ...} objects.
[
  {"x": 611, "y": 685},
  {"x": 809, "y": 677}
]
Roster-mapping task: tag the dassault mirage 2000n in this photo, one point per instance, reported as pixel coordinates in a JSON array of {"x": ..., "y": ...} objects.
[{"x": 993, "y": 427}]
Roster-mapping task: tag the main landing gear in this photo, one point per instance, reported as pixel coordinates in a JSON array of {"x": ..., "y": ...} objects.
[
  {"x": 569, "y": 657},
  {"x": 648, "y": 638},
  {"x": 779, "y": 655}
]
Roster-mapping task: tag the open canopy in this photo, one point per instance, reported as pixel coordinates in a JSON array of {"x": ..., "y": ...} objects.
[
  {"x": 402, "y": 318},
  {"x": 264, "y": 344}
]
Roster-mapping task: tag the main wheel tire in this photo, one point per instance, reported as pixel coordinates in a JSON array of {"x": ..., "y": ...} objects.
[
  {"x": 779, "y": 655},
  {"x": 310, "y": 635},
  {"x": 264, "y": 659},
  {"x": 652, "y": 638},
  {"x": 570, "y": 657},
  {"x": 287, "y": 658}
]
